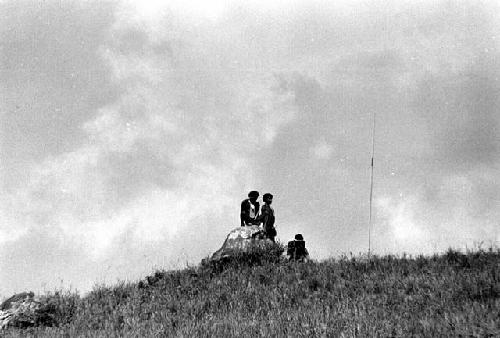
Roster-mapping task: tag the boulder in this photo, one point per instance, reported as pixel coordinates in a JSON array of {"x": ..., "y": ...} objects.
[
  {"x": 242, "y": 239},
  {"x": 19, "y": 310},
  {"x": 18, "y": 297},
  {"x": 24, "y": 310}
]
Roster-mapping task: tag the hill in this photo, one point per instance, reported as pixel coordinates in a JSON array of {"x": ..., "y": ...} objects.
[{"x": 453, "y": 294}]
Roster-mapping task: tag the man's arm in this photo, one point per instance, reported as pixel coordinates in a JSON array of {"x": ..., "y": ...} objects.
[
  {"x": 244, "y": 213},
  {"x": 264, "y": 216}
]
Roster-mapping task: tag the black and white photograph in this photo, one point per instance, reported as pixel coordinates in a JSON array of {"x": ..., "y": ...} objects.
[{"x": 225, "y": 168}]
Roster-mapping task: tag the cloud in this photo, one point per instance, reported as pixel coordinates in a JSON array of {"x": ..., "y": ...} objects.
[
  {"x": 321, "y": 151},
  {"x": 169, "y": 152},
  {"x": 457, "y": 217},
  {"x": 52, "y": 77},
  {"x": 403, "y": 228},
  {"x": 173, "y": 115}
]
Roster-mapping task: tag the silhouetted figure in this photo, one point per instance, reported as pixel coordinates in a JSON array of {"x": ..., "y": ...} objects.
[
  {"x": 267, "y": 217},
  {"x": 250, "y": 209},
  {"x": 296, "y": 250}
]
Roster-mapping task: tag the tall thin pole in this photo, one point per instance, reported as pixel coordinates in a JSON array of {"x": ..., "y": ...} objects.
[{"x": 371, "y": 188}]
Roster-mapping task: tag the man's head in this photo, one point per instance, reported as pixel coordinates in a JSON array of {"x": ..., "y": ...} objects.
[
  {"x": 299, "y": 237},
  {"x": 253, "y": 195},
  {"x": 267, "y": 198}
]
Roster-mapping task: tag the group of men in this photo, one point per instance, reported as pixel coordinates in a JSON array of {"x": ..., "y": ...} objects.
[{"x": 252, "y": 214}]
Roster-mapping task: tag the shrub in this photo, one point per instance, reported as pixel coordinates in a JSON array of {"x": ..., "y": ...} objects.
[{"x": 57, "y": 308}]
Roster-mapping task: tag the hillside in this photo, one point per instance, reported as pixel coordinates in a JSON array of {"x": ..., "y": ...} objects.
[{"x": 451, "y": 294}]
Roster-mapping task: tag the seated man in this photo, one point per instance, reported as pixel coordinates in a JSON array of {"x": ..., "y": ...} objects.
[
  {"x": 250, "y": 209},
  {"x": 296, "y": 250}
]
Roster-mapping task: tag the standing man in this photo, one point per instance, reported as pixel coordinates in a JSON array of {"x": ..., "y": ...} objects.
[
  {"x": 250, "y": 209},
  {"x": 267, "y": 217}
]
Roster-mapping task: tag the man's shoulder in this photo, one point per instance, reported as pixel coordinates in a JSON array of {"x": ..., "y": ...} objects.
[
  {"x": 266, "y": 208},
  {"x": 244, "y": 203}
]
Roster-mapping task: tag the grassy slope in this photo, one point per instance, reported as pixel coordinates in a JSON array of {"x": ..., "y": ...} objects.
[{"x": 452, "y": 294}]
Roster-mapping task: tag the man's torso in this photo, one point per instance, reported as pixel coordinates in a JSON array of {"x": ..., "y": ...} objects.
[{"x": 268, "y": 211}]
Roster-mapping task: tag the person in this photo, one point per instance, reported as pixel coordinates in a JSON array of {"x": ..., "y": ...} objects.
[
  {"x": 296, "y": 250},
  {"x": 267, "y": 217},
  {"x": 250, "y": 209}
]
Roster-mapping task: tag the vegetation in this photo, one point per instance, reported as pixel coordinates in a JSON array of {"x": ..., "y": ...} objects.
[{"x": 454, "y": 294}]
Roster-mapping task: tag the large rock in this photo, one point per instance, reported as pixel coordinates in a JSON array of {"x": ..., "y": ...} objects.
[
  {"x": 19, "y": 310},
  {"x": 24, "y": 310},
  {"x": 241, "y": 239}
]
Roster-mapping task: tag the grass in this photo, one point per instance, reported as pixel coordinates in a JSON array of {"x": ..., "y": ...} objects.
[{"x": 259, "y": 294}]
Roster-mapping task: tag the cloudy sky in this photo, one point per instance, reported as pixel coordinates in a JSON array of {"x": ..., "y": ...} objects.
[{"x": 131, "y": 131}]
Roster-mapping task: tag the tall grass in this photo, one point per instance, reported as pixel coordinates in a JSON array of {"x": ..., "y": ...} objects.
[{"x": 454, "y": 294}]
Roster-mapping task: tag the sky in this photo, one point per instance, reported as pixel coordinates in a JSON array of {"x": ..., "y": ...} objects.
[{"x": 132, "y": 130}]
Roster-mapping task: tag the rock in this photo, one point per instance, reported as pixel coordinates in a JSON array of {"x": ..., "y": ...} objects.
[
  {"x": 24, "y": 310},
  {"x": 241, "y": 239},
  {"x": 19, "y": 310},
  {"x": 18, "y": 297}
]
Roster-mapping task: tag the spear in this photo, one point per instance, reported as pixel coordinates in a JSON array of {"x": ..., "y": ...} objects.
[{"x": 371, "y": 188}]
